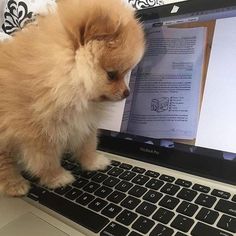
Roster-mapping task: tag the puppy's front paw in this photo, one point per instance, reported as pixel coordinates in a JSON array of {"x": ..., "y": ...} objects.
[
  {"x": 17, "y": 188},
  {"x": 99, "y": 162},
  {"x": 56, "y": 180}
]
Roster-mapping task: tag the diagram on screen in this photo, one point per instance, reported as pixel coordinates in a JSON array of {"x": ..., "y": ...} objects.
[{"x": 160, "y": 104}]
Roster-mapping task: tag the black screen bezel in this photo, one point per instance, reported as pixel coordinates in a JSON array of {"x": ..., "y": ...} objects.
[{"x": 204, "y": 163}]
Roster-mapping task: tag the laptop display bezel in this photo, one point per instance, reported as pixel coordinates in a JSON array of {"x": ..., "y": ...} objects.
[{"x": 186, "y": 158}]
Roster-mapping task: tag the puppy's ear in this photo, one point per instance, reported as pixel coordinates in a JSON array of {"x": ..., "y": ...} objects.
[
  {"x": 87, "y": 20},
  {"x": 100, "y": 26}
]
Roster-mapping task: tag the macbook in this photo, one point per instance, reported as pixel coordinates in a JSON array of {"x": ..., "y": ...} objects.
[{"x": 173, "y": 150}]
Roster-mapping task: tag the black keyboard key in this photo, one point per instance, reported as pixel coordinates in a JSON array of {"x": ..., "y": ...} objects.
[
  {"x": 164, "y": 216},
  {"x": 146, "y": 208},
  {"x": 207, "y": 215},
  {"x": 138, "y": 170},
  {"x": 140, "y": 179},
  {"x": 201, "y": 188},
  {"x": 167, "y": 178},
  {"x": 162, "y": 230},
  {"x": 126, "y": 217},
  {"x": 183, "y": 183},
  {"x": 152, "y": 174},
  {"x": 103, "y": 192},
  {"x": 228, "y": 223},
  {"x": 115, "y": 163},
  {"x": 130, "y": 202},
  {"x": 97, "y": 204},
  {"x": 73, "y": 194},
  {"x": 180, "y": 234},
  {"x": 74, "y": 212},
  {"x": 152, "y": 196},
  {"x": 143, "y": 224},
  {"x": 127, "y": 175},
  {"x": 124, "y": 186},
  {"x": 88, "y": 174},
  {"x": 115, "y": 171},
  {"x": 111, "y": 182},
  {"x": 234, "y": 198},
  {"x": 221, "y": 194},
  {"x": 187, "y": 208},
  {"x": 169, "y": 202},
  {"x": 137, "y": 191},
  {"x": 154, "y": 184},
  {"x": 80, "y": 183},
  {"x": 134, "y": 234},
  {"x": 68, "y": 165},
  {"x": 187, "y": 194},
  {"x": 63, "y": 161},
  {"x": 116, "y": 197},
  {"x": 63, "y": 190},
  {"x": 126, "y": 166},
  {"x": 36, "y": 192},
  {"x": 99, "y": 177},
  {"x": 182, "y": 223},
  {"x": 201, "y": 229},
  {"x": 91, "y": 187},
  {"x": 106, "y": 170},
  {"x": 170, "y": 189},
  {"x": 85, "y": 199},
  {"x": 226, "y": 207},
  {"x": 111, "y": 210},
  {"x": 30, "y": 177},
  {"x": 77, "y": 171},
  {"x": 205, "y": 200},
  {"x": 114, "y": 229}
]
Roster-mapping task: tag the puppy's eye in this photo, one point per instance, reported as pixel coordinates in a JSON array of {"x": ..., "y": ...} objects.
[{"x": 112, "y": 75}]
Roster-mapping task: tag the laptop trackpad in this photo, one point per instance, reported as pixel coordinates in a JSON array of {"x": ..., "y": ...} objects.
[{"x": 30, "y": 225}]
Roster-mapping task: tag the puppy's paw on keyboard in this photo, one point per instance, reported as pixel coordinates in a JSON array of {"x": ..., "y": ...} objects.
[
  {"x": 99, "y": 162},
  {"x": 60, "y": 179}
]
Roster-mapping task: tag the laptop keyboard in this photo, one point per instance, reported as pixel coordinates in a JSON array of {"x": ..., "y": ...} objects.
[{"x": 129, "y": 200}]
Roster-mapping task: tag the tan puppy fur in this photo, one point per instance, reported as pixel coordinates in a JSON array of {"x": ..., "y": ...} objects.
[{"x": 53, "y": 83}]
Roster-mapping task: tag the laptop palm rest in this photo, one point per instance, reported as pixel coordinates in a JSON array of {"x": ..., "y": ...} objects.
[{"x": 30, "y": 225}]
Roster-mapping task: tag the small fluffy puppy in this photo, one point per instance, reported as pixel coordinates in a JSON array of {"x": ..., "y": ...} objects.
[{"x": 54, "y": 79}]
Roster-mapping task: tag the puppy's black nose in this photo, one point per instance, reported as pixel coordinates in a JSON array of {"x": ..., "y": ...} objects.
[{"x": 126, "y": 93}]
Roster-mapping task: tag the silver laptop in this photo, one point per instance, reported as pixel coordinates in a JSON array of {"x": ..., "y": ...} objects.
[{"x": 173, "y": 168}]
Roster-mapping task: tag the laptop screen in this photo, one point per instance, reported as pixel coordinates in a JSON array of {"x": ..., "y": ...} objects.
[{"x": 183, "y": 91}]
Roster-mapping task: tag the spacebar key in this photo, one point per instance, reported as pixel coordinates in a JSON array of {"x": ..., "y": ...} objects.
[
  {"x": 74, "y": 212},
  {"x": 202, "y": 229}
]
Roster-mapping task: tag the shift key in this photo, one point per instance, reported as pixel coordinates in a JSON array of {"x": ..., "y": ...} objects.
[
  {"x": 226, "y": 207},
  {"x": 201, "y": 229},
  {"x": 77, "y": 213}
]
